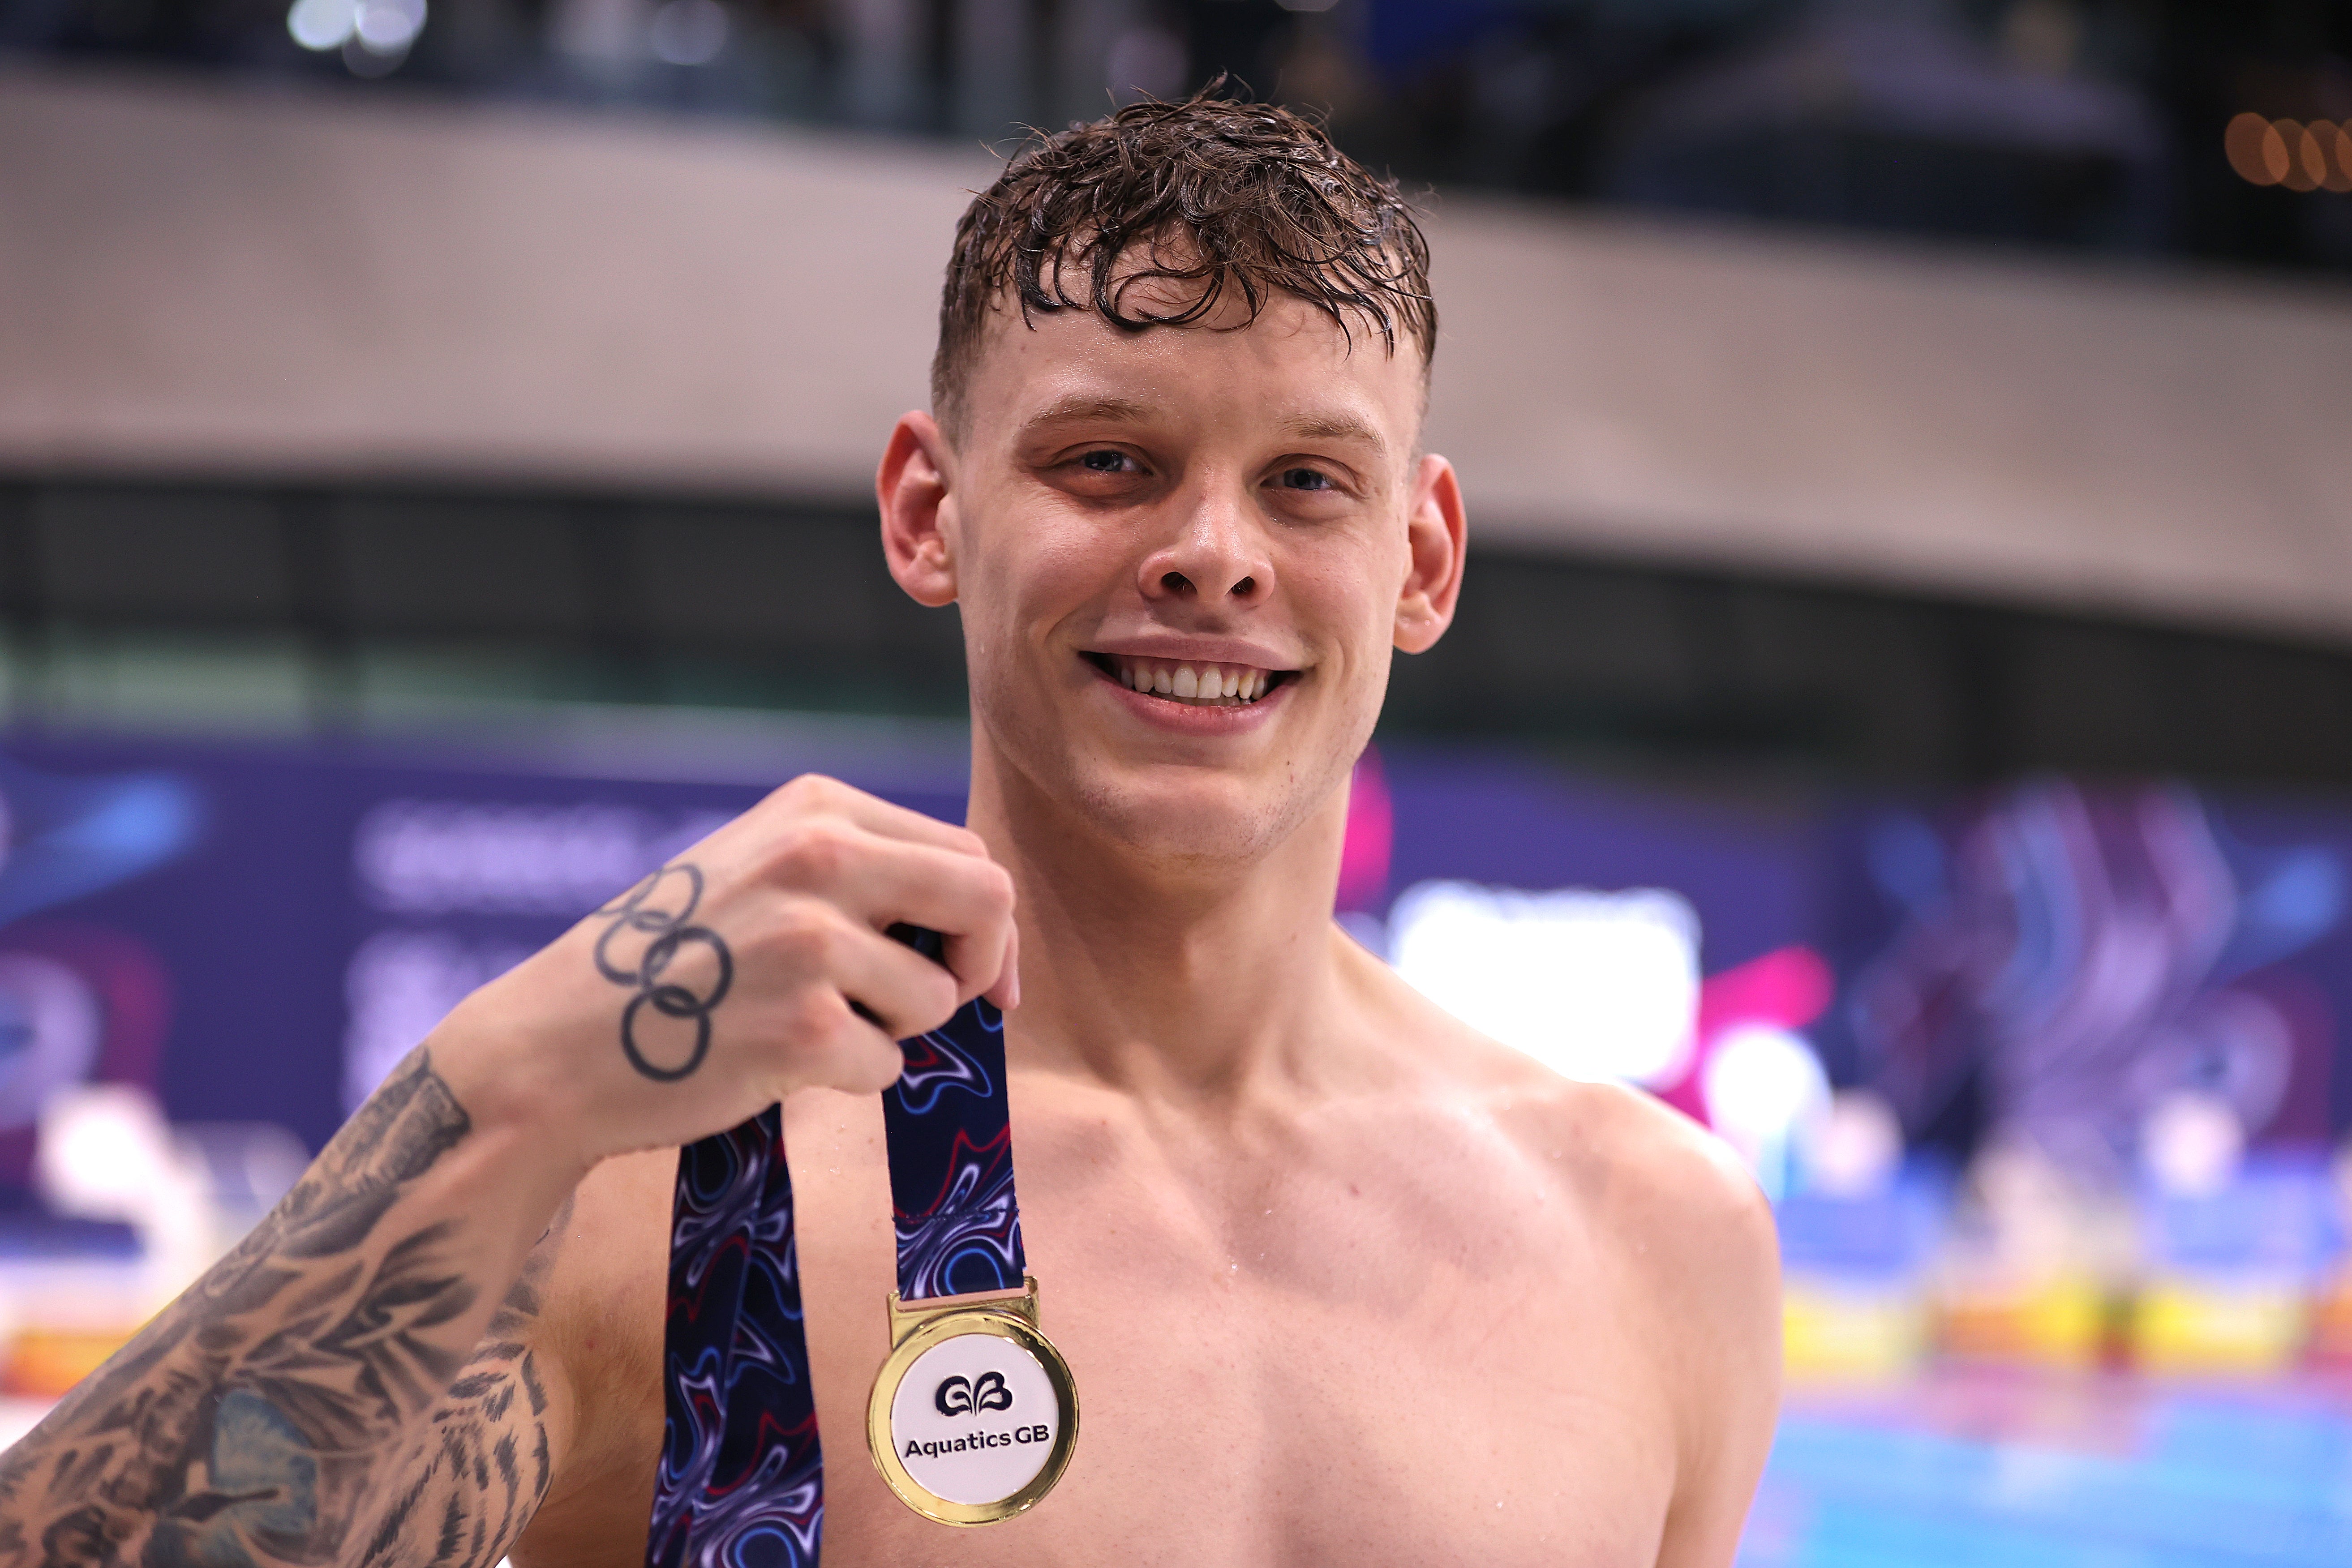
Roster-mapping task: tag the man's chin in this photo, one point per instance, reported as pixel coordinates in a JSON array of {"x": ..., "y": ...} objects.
[{"x": 1190, "y": 814}]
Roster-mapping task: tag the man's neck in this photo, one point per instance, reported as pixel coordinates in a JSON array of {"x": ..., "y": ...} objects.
[{"x": 1184, "y": 981}]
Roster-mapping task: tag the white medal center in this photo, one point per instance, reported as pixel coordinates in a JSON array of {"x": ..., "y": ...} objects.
[{"x": 974, "y": 1420}]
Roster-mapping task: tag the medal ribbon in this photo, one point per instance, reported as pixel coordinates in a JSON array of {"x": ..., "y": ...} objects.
[{"x": 741, "y": 1481}]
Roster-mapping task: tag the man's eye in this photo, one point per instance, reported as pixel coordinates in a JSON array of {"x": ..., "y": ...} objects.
[
  {"x": 1105, "y": 462},
  {"x": 1304, "y": 479}
]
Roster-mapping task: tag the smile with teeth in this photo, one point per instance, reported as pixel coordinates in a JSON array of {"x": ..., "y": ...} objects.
[{"x": 1201, "y": 684}]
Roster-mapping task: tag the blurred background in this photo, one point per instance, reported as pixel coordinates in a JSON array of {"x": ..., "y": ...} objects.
[{"x": 1902, "y": 711}]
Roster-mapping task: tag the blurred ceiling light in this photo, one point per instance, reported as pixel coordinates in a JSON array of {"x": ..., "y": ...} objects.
[
  {"x": 322, "y": 25},
  {"x": 2321, "y": 155},
  {"x": 2297, "y": 141},
  {"x": 2277, "y": 157},
  {"x": 388, "y": 26},
  {"x": 2311, "y": 153},
  {"x": 688, "y": 32},
  {"x": 374, "y": 35},
  {"x": 2241, "y": 143},
  {"x": 2317, "y": 156}
]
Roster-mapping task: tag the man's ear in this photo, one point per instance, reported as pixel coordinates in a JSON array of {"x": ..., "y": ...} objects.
[
  {"x": 1437, "y": 535},
  {"x": 912, "y": 488}
]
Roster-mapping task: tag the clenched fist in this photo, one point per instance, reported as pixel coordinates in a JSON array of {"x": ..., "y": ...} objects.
[{"x": 754, "y": 964}]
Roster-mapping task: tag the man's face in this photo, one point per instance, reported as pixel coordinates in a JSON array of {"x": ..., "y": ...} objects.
[{"x": 1183, "y": 556}]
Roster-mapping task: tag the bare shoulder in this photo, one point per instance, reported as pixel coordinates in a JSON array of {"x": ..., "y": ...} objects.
[
  {"x": 1666, "y": 1204},
  {"x": 1678, "y": 1227},
  {"x": 1655, "y": 1180},
  {"x": 601, "y": 1330},
  {"x": 1643, "y": 1173}
]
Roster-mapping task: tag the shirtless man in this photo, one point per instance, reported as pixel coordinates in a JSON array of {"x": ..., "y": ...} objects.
[{"x": 1341, "y": 1281}]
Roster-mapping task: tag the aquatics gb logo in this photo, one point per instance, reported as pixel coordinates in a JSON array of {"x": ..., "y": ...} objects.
[{"x": 958, "y": 1395}]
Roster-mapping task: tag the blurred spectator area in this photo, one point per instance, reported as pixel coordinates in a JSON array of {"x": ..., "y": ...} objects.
[
  {"x": 311, "y": 403},
  {"x": 2091, "y": 125}
]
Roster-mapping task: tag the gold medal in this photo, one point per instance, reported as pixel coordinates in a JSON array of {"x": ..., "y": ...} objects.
[{"x": 974, "y": 1412}]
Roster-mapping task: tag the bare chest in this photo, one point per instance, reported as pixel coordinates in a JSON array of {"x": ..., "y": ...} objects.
[
  {"x": 1312, "y": 1373},
  {"x": 1397, "y": 1355},
  {"x": 1204, "y": 1443}
]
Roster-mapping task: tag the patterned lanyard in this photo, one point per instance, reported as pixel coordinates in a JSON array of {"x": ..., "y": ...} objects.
[{"x": 742, "y": 1482}]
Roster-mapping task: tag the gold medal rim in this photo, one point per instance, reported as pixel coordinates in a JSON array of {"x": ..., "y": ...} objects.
[{"x": 1003, "y": 1323}]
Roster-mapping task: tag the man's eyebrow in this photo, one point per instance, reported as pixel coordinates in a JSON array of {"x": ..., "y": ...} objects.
[
  {"x": 1083, "y": 408},
  {"x": 1337, "y": 425}
]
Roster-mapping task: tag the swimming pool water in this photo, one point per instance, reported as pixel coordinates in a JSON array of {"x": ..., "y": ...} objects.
[{"x": 2093, "y": 1474}]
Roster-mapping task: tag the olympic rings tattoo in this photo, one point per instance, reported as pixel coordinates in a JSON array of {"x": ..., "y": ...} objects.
[{"x": 669, "y": 931}]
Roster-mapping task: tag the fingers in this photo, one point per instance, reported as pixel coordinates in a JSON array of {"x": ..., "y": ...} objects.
[
  {"x": 875, "y": 865},
  {"x": 812, "y": 795},
  {"x": 839, "y": 1050},
  {"x": 889, "y": 985},
  {"x": 881, "y": 882},
  {"x": 979, "y": 959},
  {"x": 854, "y": 994},
  {"x": 1006, "y": 990}
]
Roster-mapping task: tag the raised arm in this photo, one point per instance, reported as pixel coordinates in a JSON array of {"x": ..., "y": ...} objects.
[{"x": 356, "y": 1383}]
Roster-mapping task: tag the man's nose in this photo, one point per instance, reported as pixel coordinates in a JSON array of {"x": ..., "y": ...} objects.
[{"x": 1218, "y": 556}]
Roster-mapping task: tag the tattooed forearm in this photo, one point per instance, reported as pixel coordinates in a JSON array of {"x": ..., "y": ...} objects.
[
  {"x": 252, "y": 1422},
  {"x": 474, "y": 1476},
  {"x": 666, "y": 1027}
]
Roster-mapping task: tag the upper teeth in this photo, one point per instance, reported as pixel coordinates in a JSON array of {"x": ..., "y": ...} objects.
[{"x": 1194, "y": 683}]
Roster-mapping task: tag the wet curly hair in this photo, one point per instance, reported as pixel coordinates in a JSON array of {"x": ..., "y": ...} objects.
[{"x": 1211, "y": 193}]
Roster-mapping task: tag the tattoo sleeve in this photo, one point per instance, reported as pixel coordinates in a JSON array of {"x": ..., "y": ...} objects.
[
  {"x": 325, "y": 1394},
  {"x": 473, "y": 1477}
]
